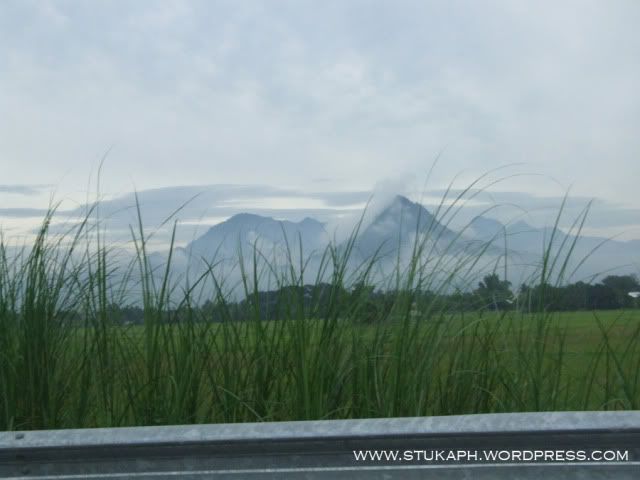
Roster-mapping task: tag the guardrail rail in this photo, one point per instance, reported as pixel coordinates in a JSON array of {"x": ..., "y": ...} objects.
[{"x": 325, "y": 449}]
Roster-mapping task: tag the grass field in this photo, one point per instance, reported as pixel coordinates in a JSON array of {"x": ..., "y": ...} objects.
[
  {"x": 179, "y": 368},
  {"x": 293, "y": 370}
]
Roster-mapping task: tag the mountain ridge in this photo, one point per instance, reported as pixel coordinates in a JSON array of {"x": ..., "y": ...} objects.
[{"x": 392, "y": 231}]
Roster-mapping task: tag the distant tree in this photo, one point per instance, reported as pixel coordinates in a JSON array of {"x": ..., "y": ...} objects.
[
  {"x": 494, "y": 292},
  {"x": 621, "y": 285},
  {"x": 602, "y": 297},
  {"x": 129, "y": 314},
  {"x": 574, "y": 297}
]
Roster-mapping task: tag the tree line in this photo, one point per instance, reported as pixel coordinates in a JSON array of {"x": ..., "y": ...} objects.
[{"x": 366, "y": 304}]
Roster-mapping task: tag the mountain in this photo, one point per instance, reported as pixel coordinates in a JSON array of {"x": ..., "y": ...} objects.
[
  {"x": 395, "y": 228},
  {"x": 392, "y": 233},
  {"x": 589, "y": 255},
  {"x": 392, "y": 228},
  {"x": 269, "y": 236},
  {"x": 485, "y": 229}
]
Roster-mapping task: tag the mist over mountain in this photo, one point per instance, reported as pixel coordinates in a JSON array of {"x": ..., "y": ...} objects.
[{"x": 395, "y": 229}]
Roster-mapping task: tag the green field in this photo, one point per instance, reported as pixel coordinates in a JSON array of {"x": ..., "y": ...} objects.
[{"x": 294, "y": 370}]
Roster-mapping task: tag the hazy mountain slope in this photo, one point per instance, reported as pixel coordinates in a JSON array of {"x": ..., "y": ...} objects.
[
  {"x": 268, "y": 235},
  {"x": 395, "y": 228},
  {"x": 589, "y": 255}
]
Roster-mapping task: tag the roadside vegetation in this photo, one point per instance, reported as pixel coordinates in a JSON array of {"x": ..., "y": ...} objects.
[{"x": 76, "y": 350}]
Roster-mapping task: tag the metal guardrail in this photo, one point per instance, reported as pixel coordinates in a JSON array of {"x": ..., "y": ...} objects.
[{"x": 325, "y": 449}]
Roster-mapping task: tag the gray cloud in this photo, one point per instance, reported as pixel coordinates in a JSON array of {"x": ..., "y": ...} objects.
[
  {"x": 341, "y": 199},
  {"x": 23, "y": 212},
  {"x": 23, "y": 189},
  {"x": 197, "y": 207},
  {"x": 206, "y": 205},
  {"x": 543, "y": 210},
  {"x": 195, "y": 201},
  {"x": 283, "y": 93},
  {"x": 335, "y": 84}
]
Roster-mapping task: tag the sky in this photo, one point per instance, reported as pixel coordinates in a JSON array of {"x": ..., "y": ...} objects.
[{"x": 296, "y": 108}]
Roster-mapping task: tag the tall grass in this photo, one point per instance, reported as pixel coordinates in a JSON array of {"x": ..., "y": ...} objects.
[{"x": 65, "y": 360}]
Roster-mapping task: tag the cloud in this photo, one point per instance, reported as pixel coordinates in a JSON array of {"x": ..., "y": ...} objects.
[
  {"x": 284, "y": 93},
  {"x": 606, "y": 218},
  {"x": 191, "y": 202},
  {"x": 23, "y": 212},
  {"x": 23, "y": 189},
  {"x": 197, "y": 207}
]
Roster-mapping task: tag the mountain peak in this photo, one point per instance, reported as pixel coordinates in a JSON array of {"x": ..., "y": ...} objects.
[
  {"x": 243, "y": 217},
  {"x": 244, "y": 229},
  {"x": 401, "y": 206},
  {"x": 402, "y": 200}
]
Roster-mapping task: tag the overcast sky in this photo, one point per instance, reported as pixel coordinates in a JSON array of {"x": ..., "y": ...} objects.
[{"x": 310, "y": 105}]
